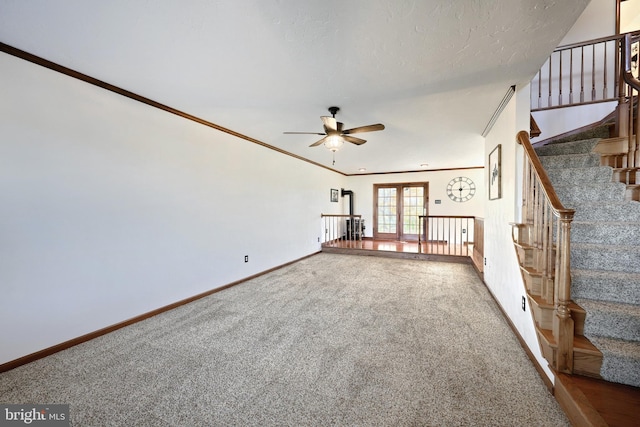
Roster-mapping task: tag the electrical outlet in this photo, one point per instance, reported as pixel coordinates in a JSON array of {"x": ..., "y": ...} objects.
[
  {"x": 246, "y": 258},
  {"x": 524, "y": 304},
  {"x": 464, "y": 230},
  {"x": 318, "y": 240},
  {"x": 485, "y": 261}
]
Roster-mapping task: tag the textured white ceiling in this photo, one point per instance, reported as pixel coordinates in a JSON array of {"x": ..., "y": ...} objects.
[{"x": 432, "y": 71}]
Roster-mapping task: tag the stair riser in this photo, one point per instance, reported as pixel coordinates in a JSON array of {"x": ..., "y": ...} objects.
[
  {"x": 586, "y": 364},
  {"x": 605, "y": 289},
  {"x": 624, "y": 211},
  {"x": 614, "y": 325},
  {"x": 561, "y": 176},
  {"x": 621, "y": 370},
  {"x": 611, "y": 234},
  {"x": 575, "y": 147},
  {"x": 571, "y": 161},
  {"x": 570, "y": 196},
  {"x": 605, "y": 258}
]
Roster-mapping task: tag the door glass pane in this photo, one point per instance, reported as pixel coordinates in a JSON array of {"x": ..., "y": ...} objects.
[
  {"x": 413, "y": 206},
  {"x": 387, "y": 210}
]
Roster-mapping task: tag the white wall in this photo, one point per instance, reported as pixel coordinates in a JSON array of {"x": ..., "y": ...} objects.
[
  {"x": 110, "y": 208},
  {"x": 362, "y": 186},
  {"x": 501, "y": 273},
  {"x": 597, "y": 20},
  {"x": 629, "y": 16}
]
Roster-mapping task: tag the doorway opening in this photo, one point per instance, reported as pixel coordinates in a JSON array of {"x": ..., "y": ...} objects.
[{"x": 397, "y": 208}]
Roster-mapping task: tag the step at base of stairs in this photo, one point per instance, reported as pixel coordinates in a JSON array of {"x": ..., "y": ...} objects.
[
  {"x": 593, "y": 402},
  {"x": 621, "y": 360}
]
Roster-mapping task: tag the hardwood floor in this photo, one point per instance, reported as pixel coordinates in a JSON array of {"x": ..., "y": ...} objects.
[
  {"x": 593, "y": 402},
  {"x": 401, "y": 247}
]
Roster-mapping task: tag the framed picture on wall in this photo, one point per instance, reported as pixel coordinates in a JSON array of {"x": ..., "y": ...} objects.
[
  {"x": 495, "y": 173},
  {"x": 334, "y": 195}
]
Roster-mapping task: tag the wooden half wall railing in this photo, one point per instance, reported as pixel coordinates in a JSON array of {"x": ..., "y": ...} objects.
[
  {"x": 447, "y": 235},
  {"x": 341, "y": 227},
  {"x": 547, "y": 228}
]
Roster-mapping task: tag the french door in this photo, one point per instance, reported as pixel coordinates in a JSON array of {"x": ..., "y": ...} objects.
[{"x": 397, "y": 208}]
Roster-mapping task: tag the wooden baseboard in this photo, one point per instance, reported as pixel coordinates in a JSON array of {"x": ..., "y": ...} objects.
[
  {"x": 523, "y": 344},
  {"x": 87, "y": 337}
]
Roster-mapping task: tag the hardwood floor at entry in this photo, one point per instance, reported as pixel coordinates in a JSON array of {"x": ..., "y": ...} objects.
[{"x": 411, "y": 247}]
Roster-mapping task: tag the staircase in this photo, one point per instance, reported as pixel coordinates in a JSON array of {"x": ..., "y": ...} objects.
[{"x": 605, "y": 262}]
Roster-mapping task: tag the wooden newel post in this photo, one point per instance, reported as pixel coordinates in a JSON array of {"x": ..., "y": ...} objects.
[{"x": 562, "y": 322}]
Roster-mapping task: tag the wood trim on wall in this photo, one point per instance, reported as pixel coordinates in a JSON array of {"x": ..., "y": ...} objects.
[
  {"x": 29, "y": 57},
  {"x": 95, "y": 334},
  {"x": 131, "y": 95}
]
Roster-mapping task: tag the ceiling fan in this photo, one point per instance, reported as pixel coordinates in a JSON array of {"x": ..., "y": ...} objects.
[{"x": 335, "y": 135}]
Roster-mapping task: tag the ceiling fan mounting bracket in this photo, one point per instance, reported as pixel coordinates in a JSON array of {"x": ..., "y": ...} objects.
[{"x": 334, "y": 110}]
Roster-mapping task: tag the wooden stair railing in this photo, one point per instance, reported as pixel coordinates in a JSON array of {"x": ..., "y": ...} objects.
[
  {"x": 543, "y": 244},
  {"x": 622, "y": 153}
]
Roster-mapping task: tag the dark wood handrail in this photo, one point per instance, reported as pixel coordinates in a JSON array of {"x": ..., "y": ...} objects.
[
  {"x": 590, "y": 42},
  {"x": 556, "y": 205}
]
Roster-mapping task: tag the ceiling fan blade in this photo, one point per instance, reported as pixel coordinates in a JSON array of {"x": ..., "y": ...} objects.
[
  {"x": 315, "y": 144},
  {"x": 354, "y": 140},
  {"x": 360, "y": 129},
  {"x": 304, "y": 133},
  {"x": 329, "y": 123}
]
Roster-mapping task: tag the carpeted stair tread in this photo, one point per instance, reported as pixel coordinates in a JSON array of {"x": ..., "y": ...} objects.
[
  {"x": 615, "y": 320},
  {"x": 602, "y": 285},
  {"x": 621, "y": 361}
]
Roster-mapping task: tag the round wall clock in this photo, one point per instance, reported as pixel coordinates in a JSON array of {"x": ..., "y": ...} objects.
[{"x": 461, "y": 189}]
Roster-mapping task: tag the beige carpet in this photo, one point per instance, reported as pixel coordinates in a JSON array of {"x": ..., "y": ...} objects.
[{"x": 330, "y": 340}]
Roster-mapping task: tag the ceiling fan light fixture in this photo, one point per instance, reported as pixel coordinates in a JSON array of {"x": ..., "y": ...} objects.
[{"x": 333, "y": 142}]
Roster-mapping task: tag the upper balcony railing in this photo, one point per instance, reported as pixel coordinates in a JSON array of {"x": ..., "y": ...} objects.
[{"x": 579, "y": 73}]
